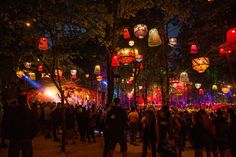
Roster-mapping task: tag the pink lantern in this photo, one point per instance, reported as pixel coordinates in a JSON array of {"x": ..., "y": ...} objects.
[
  {"x": 193, "y": 49},
  {"x": 43, "y": 44}
]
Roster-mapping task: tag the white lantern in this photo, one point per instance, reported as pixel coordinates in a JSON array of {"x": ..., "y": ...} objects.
[
  {"x": 131, "y": 43},
  {"x": 172, "y": 41},
  {"x": 198, "y": 85},
  {"x": 27, "y": 65}
]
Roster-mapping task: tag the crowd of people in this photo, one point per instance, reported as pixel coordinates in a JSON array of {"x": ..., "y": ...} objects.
[{"x": 166, "y": 131}]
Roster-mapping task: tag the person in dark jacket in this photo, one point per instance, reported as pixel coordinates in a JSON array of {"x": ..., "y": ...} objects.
[
  {"x": 22, "y": 128},
  {"x": 232, "y": 135}
]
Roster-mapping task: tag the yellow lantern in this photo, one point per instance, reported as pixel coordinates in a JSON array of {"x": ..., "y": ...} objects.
[
  {"x": 154, "y": 38},
  {"x": 97, "y": 70},
  {"x": 127, "y": 55},
  {"x": 140, "y": 31},
  {"x": 184, "y": 77},
  {"x": 32, "y": 76},
  {"x": 200, "y": 64},
  {"x": 225, "y": 90},
  {"x": 214, "y": 87},
  {"x": 99, "y": 78},
  {"x": 20, "y": 73}
]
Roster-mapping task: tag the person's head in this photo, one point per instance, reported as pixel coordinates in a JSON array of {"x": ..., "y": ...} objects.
[
  {"x": 116, "y": 101},
  {"x": 22, "y": 100}
]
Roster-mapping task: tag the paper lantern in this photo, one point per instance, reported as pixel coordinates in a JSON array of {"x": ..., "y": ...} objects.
[
  {"x": 198, "y": 85},
  {"x": 214, "y": 87},
  {"x": 140, "y": 31},
  {"x": 27, "y": 65},
  {"x": 32, "y": 76},
  {"x": 73, "y": 73},
  {"x": 87, "y": 75},
  {"x": 193, "y": 49},
  {"x": 99, "y": 78},
  {"x": 126, "y": 34},
  {"x": 222, "y": 51},
  {"x": 184, "y": 77},
  {"x": 201, "y": 91},
  {"x": 131, "y": 43},
  {"x": 141, "y": 66},
  {"x": 115, "y": 62},
  {"x": 40, "y": 68},
  {"x": 154, "y": 38},
  {"x": 126, "y": 55},
  {"x": 60, "y": 73},
  {"x": 231, "y": 36},
  {"x": 97, "y": 70},
  {"x": 139, "y": 58},
  {"x": 200, "y": 64},
  {"x": 43, "y": 44},
  {"x": 172, "y": 42},
  {"x": 225, "y": 90},
  {"x": 20, "y": 73}
]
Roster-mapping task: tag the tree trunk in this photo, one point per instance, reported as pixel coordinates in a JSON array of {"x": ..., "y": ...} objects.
[
  {"x": 110, "y": 81},
  {"x": 63, "y": 124}
]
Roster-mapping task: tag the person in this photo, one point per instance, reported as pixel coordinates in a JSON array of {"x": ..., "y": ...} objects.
[
  {"x": 133, "y": 119},
  {"x": 232, "y": 136},
  {"x": 22, "y": 128},
  {"x": 116, "y": 123}
]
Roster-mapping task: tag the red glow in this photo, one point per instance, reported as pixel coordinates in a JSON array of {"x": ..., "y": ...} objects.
[
  {"x": 222, "y": 51},
  {"x": 231, "y": 36},
  {"x": 40, "y": 68},
  {"x": 43, "y": 44},
  {"x": 126, "y": 33},
  {"x": 115, "y": 62},
  {"x": 194, "y": 49},
  {"x": 201, "y": 91}
]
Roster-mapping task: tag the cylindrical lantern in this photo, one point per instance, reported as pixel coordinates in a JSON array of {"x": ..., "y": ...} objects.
[
  {"x": 221, "y": 51},
  {"x": 73, "y": 73},
  {"x": 87, "y": 75},
  {"x": 200, "y": 64},
  {"x": 154, "y": 38},
  {"x": 126, "y": 34},
  {"x": 214, "y": 87},
  {"x": 27, "y": 65},
  {"x": 131, "y": 43},
  {"x": 184, "y": 77},
  {"x": 99, "y": 78},
  {"x": 43, "y": 44},
  {"x": 201, "y": 91},
  {"x": 20, "y": 73},
  {"x": 115, "y": 62},
  {"x": 40, "y": 68},
  {"x": 193, "y": 49},
  {"x": 198, "y": 85},
  {"x": 126, "y": 55},
  {"x": 32, "y": 76},
  {"x": 140, "y": 31},
  {"x": 172, "y": 41},
  {"x": 231, "y": 36},
  {"x": 60, "y": 73},
  {"x": 97, "y": 70},
  {"x": 139, "y": 58}
]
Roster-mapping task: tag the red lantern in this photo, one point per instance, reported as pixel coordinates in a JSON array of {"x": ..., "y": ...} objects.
[
  {"x": 201, "y": 91},
  {"x": 43, "y": 44},
  {"x": 222, "y": 51},
  {"x": 126, "y": 55},
  {"x": 115, "y": 62},
  {"x": 40, "y": 68},
  {"x": 141, "y": 66},
  {"x": 194, "y": 49},
  {"x": 126, "y": 33},
  {"x": 231, "y": 36}
]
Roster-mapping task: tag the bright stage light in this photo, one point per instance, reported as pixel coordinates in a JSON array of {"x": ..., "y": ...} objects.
[{"x": 52, "y": 93}]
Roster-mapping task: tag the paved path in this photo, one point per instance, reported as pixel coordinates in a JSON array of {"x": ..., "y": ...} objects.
[{"x": 48, "y": 148}]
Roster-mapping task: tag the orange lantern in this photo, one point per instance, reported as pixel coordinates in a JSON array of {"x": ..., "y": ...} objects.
[
  {"x": 231, "y": 36},
  {"x": 200, "y": 64},
  {"x": 99, "y": 78},
  {"x": 201, "y": 91},
  {"x": 115, "y": 62},
  {"x": 139, "y": 58},
  {"x": 193, "y": 49},
  {"x": 140, "y": 31},
  {"x": 40, "y": 68},
  {"x": 97, "y": 70},
  {"x": 32, "y": 76},
  {"x": 43, "y": 44},
  {"x": 154, "y": 38},
  {"x": 126, "y": 33},
  {"x": 225, "y": 90},
  {"x": 126, "y": 55}
]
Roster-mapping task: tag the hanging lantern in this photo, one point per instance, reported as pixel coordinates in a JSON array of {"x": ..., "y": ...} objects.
[
  {"x": 27, "y": 65},
  {"x": 222, "y": 51},
  {"x": 126, "y": 33},
  {"x": 139, "y": 58},
  {"x": 231, "y": 36},
  {"x": 140, "y": 31},
  {"x": 40, "y": 68},
  {"x": 193, "y": 49},
  {"x": 60, "y": 73},
  {"x": 99, "y": 78},
  {"x": 141, "y": 66},
  {"x": 131, "y": 78},
  {"x": 20, "y": 73},
  {"x": 201, "y": 91},
  {"x": 131, "y": 43},
  {"x": 43, "y": 44},
  {"x": 200, "y": 64},
  {"x": 73, "y": 73},
  {"x": 32, "y": 76},
  {"x": 154, "y": 38},
  {"x": 115, "y": 62},
  {"x": 184, "y": 77},
  {"x": 87, "y": 75},
  {"x": 126, "y": 55},
  {"x": 225, "y": 90},
  {"x": 214, "y": 87},
  {"x": 172, "y": 42},
  {"x": 198, "y": 85},
  {"x": 97, "y": 70}
]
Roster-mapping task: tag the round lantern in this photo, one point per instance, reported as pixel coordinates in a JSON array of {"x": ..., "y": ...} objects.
[
  {"x": 201, "y": 91},
  {"x": 99, "y": 78},
  {"x": 139, "y": 58},
  {"x": 97, "y": 70},
  {"x": 222, "y": 51},
  {"x": 20, "y": 73},
  {"x": 198, "y": 85},
  {"x": 73, "y": 73},
  {"x": 32, "y": 76},
  {"x": 27, "y": 65},
  {"x": 115, "y": 62},
  {"x": 40, "y": 68},
  {"x": 193, "y": 49},
  {"x": 126, "y": 55},
  {"x": 184, "y": 77},
  {"x": 231, "y": 36},
  {"x": 225, "y": 90},
  {"x": 200, "y": 64},
  {"x": 214, "y": 87},
  {"x": 43, "y": 44},
  {"x": 140, "y": 31},
  {"x": 131, "y": 43},
  {"x": 172, "y": 42},
  {"x": 87, "y": 75},
  {"x": 154, "y": 38},
  {"x": 126, "y": 34}
]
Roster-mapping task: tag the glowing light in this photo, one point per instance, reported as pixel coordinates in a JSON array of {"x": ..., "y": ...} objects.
[
  {"x": 198, "y": 85},
  {"x": 20, "y": 73},
  {"x": 28, "y": 24},
  {"x": 214, "y": 87},
  {"x": 32, "y": 82},
  {"x": 52, "y": 93},
  {"x": 131, "y": 43},
  {"x": 172, "y": 42},
  {"x": 200, "y": 64}
]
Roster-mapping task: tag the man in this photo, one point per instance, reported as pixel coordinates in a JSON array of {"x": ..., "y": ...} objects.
[
  {"x": 116, "y": 122},
  {"x": 133, "y": 118},
  {"x": 21, "y": 127}
]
